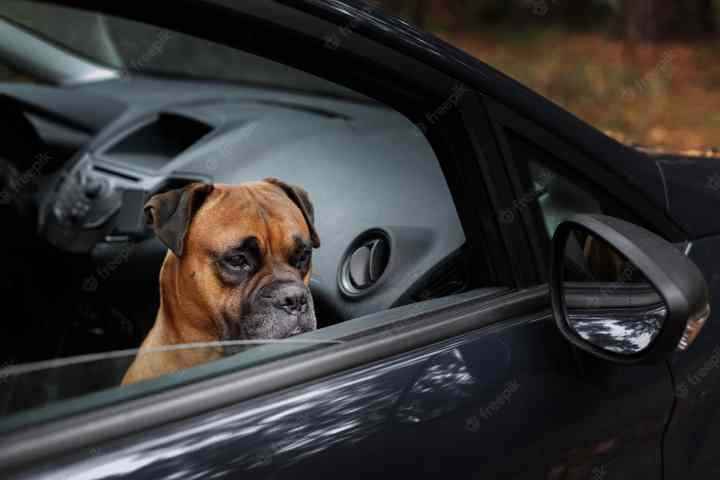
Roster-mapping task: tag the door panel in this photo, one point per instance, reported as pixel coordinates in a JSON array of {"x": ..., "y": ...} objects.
[{"x": 511, "y": 400}]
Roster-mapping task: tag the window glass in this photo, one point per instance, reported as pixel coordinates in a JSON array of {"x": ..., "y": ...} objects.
[
  {"x": 558, "y": 192},
  {"x": 154, "y": 211}
]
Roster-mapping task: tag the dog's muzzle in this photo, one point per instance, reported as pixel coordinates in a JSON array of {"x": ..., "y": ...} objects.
[{"x": 278, "y": 310}]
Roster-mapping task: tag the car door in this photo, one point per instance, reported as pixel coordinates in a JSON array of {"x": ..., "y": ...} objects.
[
  {"x": 480, "y": 382},
  {"x": 498, "y": 393}
]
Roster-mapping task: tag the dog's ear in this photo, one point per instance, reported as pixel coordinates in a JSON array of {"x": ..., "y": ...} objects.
[
  {"x": 169, "y": 214},
  {"x": 301, "y": 198}
]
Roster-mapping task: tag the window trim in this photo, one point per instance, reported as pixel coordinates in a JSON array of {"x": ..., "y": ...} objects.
[{"x": 490, "y": 162}]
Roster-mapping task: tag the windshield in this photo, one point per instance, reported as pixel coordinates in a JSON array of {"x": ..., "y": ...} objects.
[{"x": 134, "y": 48}]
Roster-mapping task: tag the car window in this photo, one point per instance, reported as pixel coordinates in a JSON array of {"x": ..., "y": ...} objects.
[
  {"x": 556, "y": 192},
  {"x": 134, "y": 236}
]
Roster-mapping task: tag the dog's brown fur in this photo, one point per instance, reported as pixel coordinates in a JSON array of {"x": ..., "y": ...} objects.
[{"x": 192, "y": 296}]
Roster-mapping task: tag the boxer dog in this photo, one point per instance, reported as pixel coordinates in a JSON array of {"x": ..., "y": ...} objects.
[{"x": 237, "y": 268}]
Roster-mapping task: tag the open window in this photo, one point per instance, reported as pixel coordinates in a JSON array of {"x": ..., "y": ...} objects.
[{"x": 382, "y": 170}]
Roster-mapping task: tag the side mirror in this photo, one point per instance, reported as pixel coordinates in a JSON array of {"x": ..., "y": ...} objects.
[{"x": 623, "y": 293}]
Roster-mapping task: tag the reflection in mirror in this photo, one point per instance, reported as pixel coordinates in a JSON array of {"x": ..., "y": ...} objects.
[{"x": 609, "y": 302}]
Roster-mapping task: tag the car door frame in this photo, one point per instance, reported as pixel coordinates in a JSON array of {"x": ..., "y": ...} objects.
[{"x": 416, "y": 92}]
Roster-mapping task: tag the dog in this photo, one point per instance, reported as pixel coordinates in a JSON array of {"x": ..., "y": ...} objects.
[{"x": 237, "y": 268}]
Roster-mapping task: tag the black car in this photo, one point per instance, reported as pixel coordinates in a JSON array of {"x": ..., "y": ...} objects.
[{"x": 502, "y": 290}]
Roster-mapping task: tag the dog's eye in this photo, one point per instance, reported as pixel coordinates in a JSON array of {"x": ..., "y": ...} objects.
[
  {"x": 238, "y": 262},
  {"x": 302, "y": 260}
]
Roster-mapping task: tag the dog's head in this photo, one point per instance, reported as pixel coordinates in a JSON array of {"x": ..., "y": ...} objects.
[{"x": 240, "y": 257}]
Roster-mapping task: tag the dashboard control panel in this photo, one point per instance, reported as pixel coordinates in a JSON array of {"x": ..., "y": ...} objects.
[{"x": 79, "y": 211}]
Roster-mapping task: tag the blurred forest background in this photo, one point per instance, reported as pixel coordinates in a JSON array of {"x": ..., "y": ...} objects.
[{"x": 643, "y": 71}]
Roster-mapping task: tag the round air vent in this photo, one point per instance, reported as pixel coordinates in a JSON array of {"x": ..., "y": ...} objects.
[{"x": 365, "y": 262}]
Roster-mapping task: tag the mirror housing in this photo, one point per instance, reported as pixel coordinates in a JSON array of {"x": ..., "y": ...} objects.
[{"x": 674, "y": 276}]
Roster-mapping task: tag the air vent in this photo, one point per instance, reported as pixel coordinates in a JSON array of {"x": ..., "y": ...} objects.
[{"x": 365, "y": 262}]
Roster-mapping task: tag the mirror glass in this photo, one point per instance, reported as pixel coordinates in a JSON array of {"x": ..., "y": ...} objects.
[{"x": 609, "y": 302}]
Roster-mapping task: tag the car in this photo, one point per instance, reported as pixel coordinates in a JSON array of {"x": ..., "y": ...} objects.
[{"x": 502, "y": 290}]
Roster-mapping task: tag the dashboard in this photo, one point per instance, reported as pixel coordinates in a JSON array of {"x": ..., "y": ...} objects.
[{"x": 384, "y": 213}]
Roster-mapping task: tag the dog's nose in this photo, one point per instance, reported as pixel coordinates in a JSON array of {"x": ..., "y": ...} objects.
[{"x": 292, "y": 299}]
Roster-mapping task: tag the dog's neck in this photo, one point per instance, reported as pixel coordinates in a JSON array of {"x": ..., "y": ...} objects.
[{"x": 174, "y": 324}]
